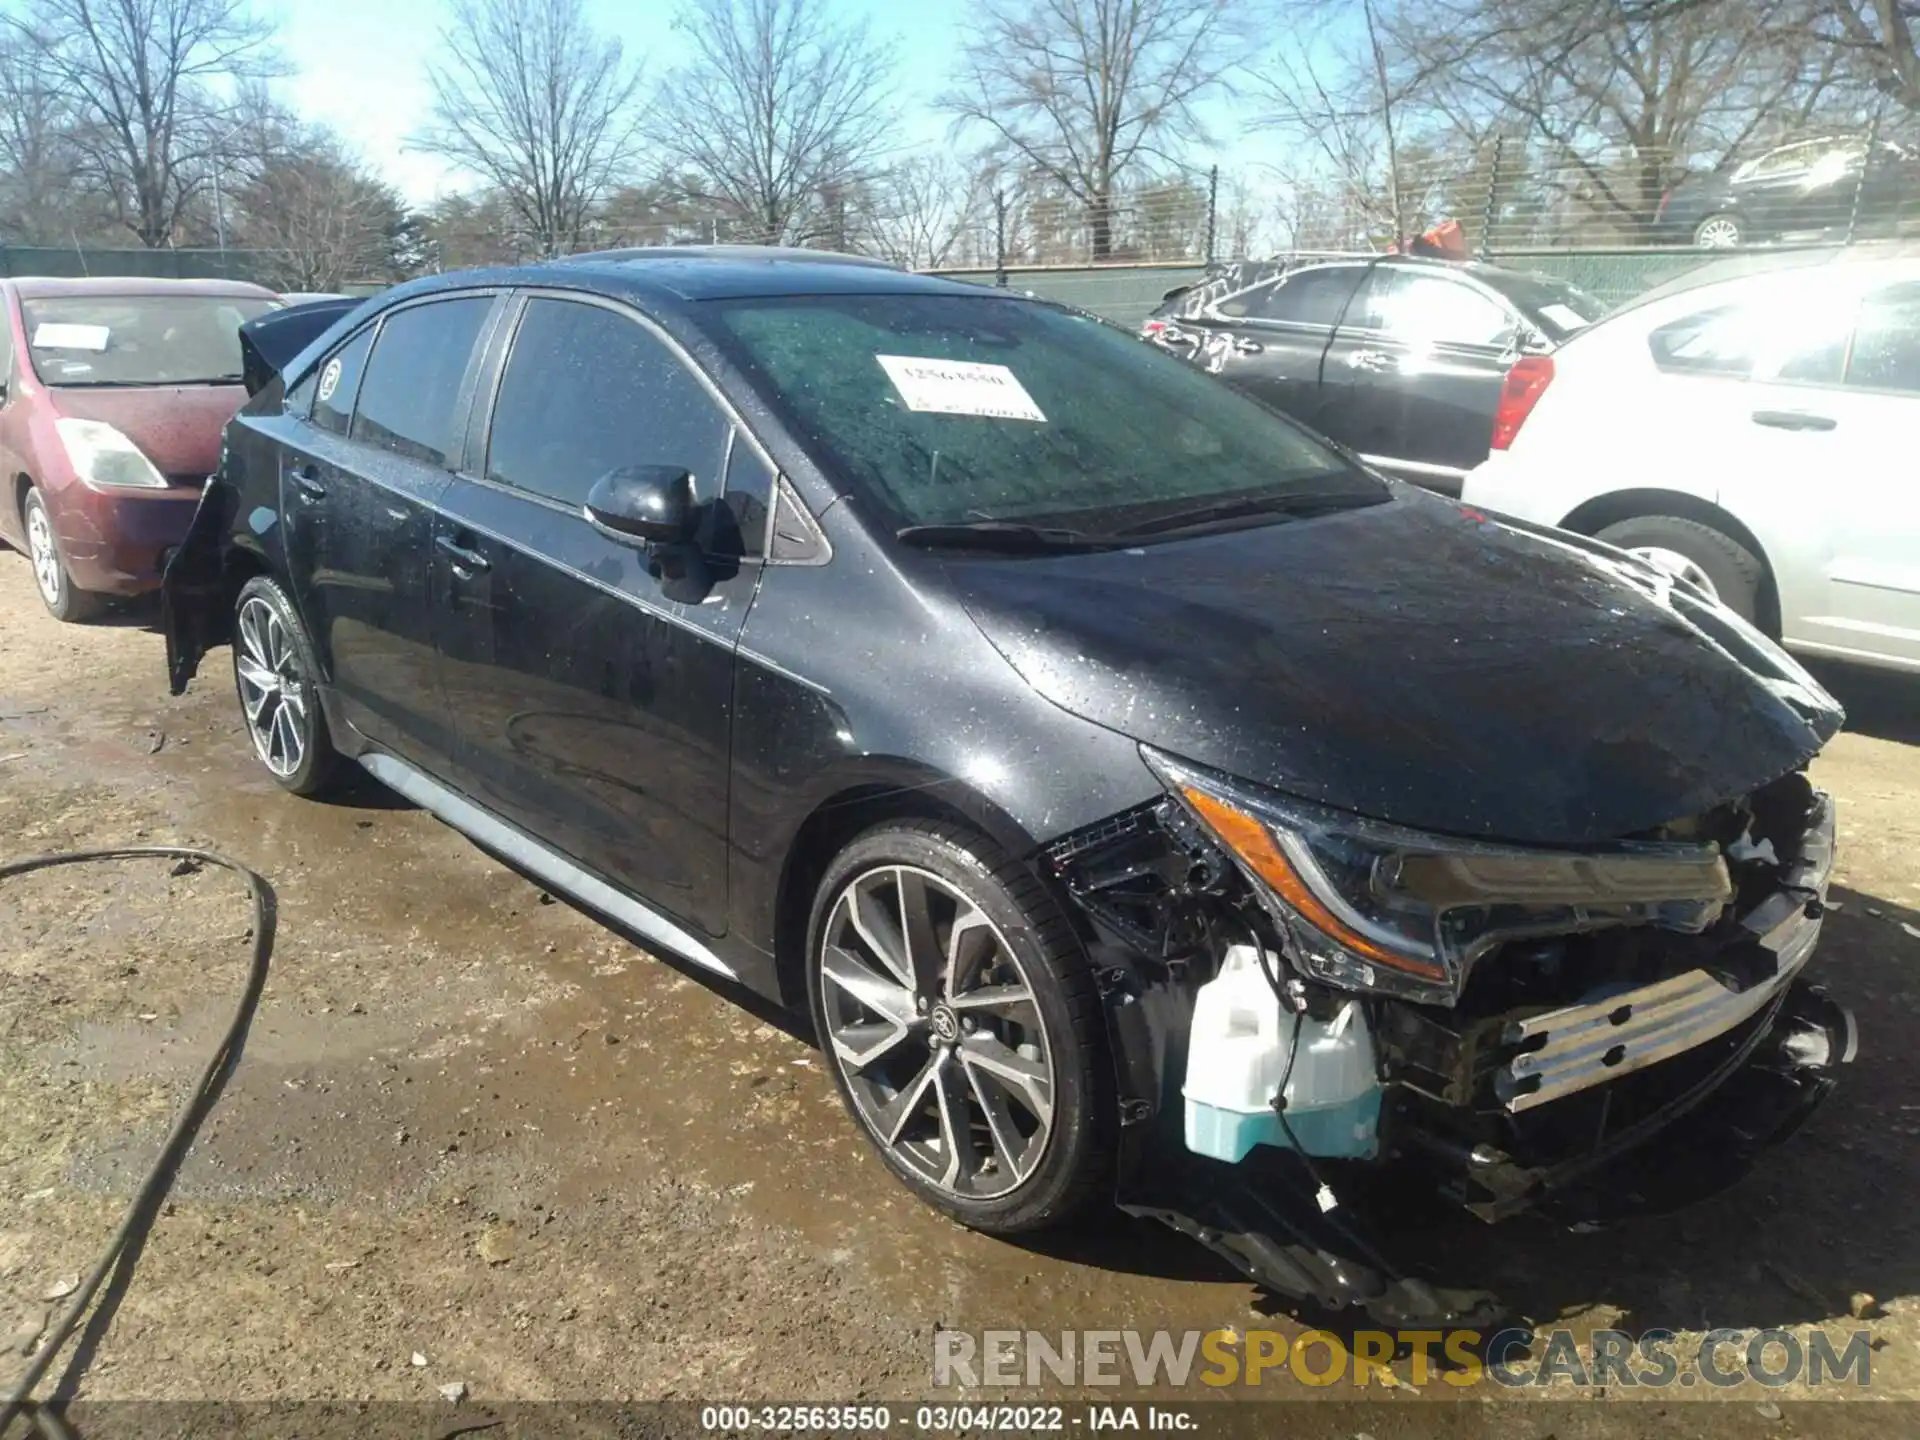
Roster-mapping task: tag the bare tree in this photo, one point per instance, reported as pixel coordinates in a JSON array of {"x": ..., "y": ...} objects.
[
  {"x": 531, "y": 100},
  {"x": 477, "y": 229},
  {"x": 1873, "y": 42},
  {"x": 1877, "y": 42},
  {"x": 1328, "y": 90},
  {"x": 146, "y": 79},
  {"x": 317, "y": 218},
  {"x": 780, "y": 112},
  {"x": 1086, "y": 92},
  {"x": 920, "y": 213},
  {"x": 667, "y": 210},
  {"x": 40, "y": 200},
  {"x": 1619, "y": 104}
]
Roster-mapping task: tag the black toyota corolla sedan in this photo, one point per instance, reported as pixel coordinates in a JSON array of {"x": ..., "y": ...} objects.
[{"x": 1148, "y": 802}]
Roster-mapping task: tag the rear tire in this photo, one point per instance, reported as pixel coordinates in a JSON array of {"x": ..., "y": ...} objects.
[
  {"x": 1733, "y": 572},
  {"x": 968, "y": 1042},
  {"x": 277, "y": 681},
  {"x": 64, "y": 600}
]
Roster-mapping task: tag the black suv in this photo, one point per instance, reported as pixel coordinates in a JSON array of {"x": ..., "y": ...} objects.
[
  {"x": 1053, "y": 723},
  {"x": 1399, "y": 358}
]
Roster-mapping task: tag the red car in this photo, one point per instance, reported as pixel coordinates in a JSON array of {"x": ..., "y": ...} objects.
[{"x": 113, "y": 396}]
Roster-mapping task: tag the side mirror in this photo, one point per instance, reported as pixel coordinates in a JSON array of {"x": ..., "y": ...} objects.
[{"x": 643, "y": 505}]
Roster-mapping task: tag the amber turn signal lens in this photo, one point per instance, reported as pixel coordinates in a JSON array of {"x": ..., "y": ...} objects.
[{"x": 1254, "y": 844}]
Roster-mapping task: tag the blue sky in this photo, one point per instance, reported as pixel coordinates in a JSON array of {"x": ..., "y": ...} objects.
[{"x": 360, "y": 66}]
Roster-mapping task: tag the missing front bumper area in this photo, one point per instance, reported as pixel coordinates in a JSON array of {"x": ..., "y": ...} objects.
[
  {"x": 1686, "y": 1056},
  {"x": 1565, "y": 1051},
  {"x": 1573, "y": 1049},
  {"x": 1705, "y": 1139}
]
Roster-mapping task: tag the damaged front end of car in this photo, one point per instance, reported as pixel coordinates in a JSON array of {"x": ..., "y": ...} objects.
[{"x": 1301, "y": 1002}]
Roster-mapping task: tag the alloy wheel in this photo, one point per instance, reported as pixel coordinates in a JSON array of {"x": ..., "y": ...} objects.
[
  {"x": 1717, "y": 232},
  {"x": 273, "y": 692},
  {"x": 45, "y": 558},
  {"x": 1673, "y": 563},
  {"x": 936, "y": 1032}
]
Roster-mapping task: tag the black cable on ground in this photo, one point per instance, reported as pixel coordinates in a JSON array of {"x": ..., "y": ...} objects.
[{"x": 159, "y": 1179}]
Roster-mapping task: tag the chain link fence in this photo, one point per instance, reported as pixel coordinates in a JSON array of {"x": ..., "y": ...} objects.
[
  {"x": 1510, "y": 199},
  {"x": 1613, "y": 222},
  {"x": 1506, "y": 198}
]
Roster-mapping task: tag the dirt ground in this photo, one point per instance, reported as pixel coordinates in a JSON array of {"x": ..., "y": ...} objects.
[{"x": 477, "y": 1138}]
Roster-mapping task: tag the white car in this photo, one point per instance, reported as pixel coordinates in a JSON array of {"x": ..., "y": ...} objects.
[{"x": 1759, "y": 435}]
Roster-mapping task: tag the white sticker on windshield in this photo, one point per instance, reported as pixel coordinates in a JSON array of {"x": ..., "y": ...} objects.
[
  {"x": 1565, "y": 316},
  {"x": 960, "y": 387},
  {"x": 70, "y": 337}
]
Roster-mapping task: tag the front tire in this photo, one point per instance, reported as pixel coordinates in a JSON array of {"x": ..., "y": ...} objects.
[
  {"x": 958, "y": 1014},
  {"x": 276, "y": 677},
  {"x": 1719, "y": 232},
  {"x": 64, "y": 600},
  {"x": 1709, "y": 558}
]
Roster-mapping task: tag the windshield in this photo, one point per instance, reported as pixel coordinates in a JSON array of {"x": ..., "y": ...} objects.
[
  {"x": 1555, "y": 306},
  {"x": 951, "y": 410},
  {"x": 138, "y": 339}
]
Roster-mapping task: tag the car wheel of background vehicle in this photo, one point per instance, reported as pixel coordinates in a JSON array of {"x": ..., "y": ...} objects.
[
  {"x": 959, "y": 1016},
  {"x": 1709, "y": 558},
  {"x": 274, "y": 671},
  {"x": 63, "y": 599},
  {"x": 1717, "y": 232}
]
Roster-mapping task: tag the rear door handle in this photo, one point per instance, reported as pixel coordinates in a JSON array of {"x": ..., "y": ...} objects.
[
  {"x": 1794, "y": 420},
  {"x": 1369, "y": 360},
  {"x": 1248, "y": 347},
  {"x": 306, "y": 479},
  {"x": 466, "y": 563}
]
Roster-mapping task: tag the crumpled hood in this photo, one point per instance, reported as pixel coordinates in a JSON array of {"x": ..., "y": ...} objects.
[
  {"x": 177, "y": 426},
  {"x": 1415, "y": 662}
]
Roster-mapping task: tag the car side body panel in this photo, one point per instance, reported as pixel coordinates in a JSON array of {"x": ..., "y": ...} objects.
[
  {"x": 824, "y": 711},
  {"x": 1800, "y": 469}
]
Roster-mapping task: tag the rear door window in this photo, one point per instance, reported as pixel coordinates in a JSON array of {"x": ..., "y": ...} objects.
[
  {"x": 1787, "y": 160},
  {"x": 412, "y": 386},
  {"x": 588, "y": 390},
  {"x": 1313, "y": 296},
  {"x": 1422, "y": 308},
  {"x": 337, "y": 382},
  {"x": 1886, "y": 346},
  {"x": 1724, "y": 341}
]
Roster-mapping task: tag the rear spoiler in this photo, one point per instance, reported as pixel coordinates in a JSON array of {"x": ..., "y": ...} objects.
[{"x": 270, "y": 343}]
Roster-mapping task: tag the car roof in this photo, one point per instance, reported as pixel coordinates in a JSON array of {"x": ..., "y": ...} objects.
[
  {"x": 665, "y": 279},
  {"x": 1767, "y": 262},
  {"x": 715, "y": 272},
  {"x": 47, "y": 287}
]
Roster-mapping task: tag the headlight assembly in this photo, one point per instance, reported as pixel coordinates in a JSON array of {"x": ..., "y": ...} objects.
[
  {"x": 1371, "y": 906},
  {"x": 106, "y": 459}
]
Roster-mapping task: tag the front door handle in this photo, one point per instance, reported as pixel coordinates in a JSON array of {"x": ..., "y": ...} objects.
[
  {"x": 1247, "y": 347},
  {"x": 1794, "y": 420},
  {"x": 465, "y": 563},
  {"x": 306, "y": 479},
  {"x": 1374, "y": 360}
]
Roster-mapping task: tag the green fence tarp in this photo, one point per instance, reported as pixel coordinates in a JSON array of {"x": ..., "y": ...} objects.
[
  {"x": 69, "y": 261},
  {"x": 1127, "y": 294}
]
